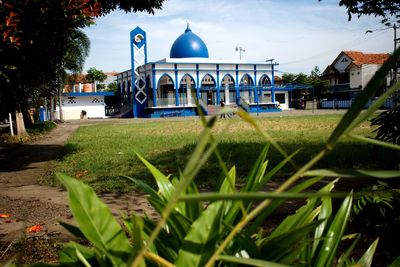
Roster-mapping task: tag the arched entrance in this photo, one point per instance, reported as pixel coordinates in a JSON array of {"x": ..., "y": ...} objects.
[
  {"x": 228, "y": 91},
  {"x": 165, "y": 91},
  {"x": 187, "y": 90},
  {"x": 264, "y": 90},
  {"x": 246, "y": 86},
  {"x": 208, "y": 93}
]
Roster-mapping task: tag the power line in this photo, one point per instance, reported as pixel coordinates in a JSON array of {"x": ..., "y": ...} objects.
[{"x": 355, "y": 41}]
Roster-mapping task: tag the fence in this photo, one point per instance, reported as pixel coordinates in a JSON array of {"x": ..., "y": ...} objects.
[{"x": 389, "y": 103}]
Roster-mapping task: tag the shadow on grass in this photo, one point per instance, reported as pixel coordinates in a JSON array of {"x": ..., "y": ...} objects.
[
  {"x": 22, "y": 156},
  {"x": 240, "y": 154},
  {"x": 244, "y": 154}
]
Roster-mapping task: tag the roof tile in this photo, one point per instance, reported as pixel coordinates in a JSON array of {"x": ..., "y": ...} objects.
[{"x": 360, "y": 58}]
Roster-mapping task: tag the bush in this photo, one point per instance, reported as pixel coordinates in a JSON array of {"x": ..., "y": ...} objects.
[
  {"x": 42, "y": 127},
  {"x": 388, "y": 123}
]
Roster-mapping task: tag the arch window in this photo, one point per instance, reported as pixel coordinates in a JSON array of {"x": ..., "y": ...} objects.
[
  {"x": 186, "y": 90},
  {"x": 208, "y": 94},
  {"x": 165, "y": 91}
]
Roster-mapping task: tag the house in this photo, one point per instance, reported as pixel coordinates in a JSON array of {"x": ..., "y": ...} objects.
[{"x": 351, "y": 71}]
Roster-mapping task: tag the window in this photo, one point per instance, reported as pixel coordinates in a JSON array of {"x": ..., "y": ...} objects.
[
  {"x": 358, "y": 73},
  {"x": 344, "y": 60}
]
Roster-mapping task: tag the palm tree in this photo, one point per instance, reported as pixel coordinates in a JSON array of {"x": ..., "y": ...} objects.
[{"x": 77, "y": 49}]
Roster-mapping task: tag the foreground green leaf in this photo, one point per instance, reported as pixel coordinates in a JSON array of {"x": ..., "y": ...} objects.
[{"x": 96, "y": 221}]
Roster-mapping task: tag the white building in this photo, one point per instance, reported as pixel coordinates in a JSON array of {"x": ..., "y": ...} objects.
[
  {"x": 83, "y": 105},
  {"x": 170, "y": 86}
]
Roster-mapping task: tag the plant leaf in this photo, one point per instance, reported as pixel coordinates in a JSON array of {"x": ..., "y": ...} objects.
[
  {"x": 96, "y": 221},
  {"x": 165, "y": 187},
  {"x": 383, "y": 174},
  {"x": 67, "y": 254},
  {"x": 334, "y": 234},
  {"x": 202, "y": 237},
  {"x": 367, "y": 257},
  {"x": 279, "y": 247},
  {"x": 249, "y": 262},
  {"x": 395, "y": 263},
  {"x": 275, "y": 204}
]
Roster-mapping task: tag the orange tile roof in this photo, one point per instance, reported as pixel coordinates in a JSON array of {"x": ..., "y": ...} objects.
[{"x": 360, "y": 58}]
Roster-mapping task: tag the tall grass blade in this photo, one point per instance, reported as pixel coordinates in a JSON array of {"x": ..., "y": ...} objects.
[
  {"x": 374, "y": 141},
  {"x": 275, "y": 204},
  {"x": 334, "y": 234},
  {"x": 342, "y": 262},
  {"x": 199, "y": 156},
  {"x": 303, "y": 214},
  {"x": 374, "y": 106},
  {"x": 279, "y": 247},
  {"x": 249, "y": 262},
  {"x": 382, "y": 174},
  {"x": 324, "y": 214},
  {"x": 165, "y": 186}
]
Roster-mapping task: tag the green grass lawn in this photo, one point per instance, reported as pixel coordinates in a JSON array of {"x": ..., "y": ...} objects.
[{"x": 100, "y": 154}]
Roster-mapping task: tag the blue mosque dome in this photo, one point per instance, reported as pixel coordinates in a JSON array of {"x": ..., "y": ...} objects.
[{"x": 188, "y": 45}]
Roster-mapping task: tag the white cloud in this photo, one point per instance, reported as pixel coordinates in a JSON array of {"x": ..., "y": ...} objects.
[{"x": 298, "y": 33}]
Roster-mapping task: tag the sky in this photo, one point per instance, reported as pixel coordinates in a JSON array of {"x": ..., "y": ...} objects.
[{"x": 297, "y": 34}]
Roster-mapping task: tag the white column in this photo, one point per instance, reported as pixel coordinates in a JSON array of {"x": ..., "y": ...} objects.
[
  {"x": 227, "y": 94},
  {"x": 189, "y": 93}
]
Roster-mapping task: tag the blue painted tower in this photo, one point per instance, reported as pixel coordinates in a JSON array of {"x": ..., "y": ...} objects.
[{"x": 138, "y": 58}]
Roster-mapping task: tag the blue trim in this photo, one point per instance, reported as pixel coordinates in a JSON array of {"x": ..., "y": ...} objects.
[
  {"x": 162, "y": 112},
  {"x": 153, "y": 72},
  {"x": 237, "y": 84},
  {"x": 197, "y": 82},
  {"x": 188, "y": 74},
  {"x": 217, "y": 86},
  {"x": 213, "y": 62},
  {"x": 230, "y": 75},
  {"x": 255, "y": 84},
  {"x": 272, "y": 84},
  {"x": 90, "y": 94},
  {"x": 176, "y": 85}
]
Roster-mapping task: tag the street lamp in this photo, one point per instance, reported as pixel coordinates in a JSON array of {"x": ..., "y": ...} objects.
[{"x": 240, "y": 49}]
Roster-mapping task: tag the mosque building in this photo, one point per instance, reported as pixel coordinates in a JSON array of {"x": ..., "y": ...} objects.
[{"x": 170, "y": 86}]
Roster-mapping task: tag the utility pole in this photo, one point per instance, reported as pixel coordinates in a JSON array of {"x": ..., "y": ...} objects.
[{"x": 395, "y": 41}]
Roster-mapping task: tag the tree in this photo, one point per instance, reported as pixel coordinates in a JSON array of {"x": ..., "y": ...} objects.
[
  {"x": 75, "y": 54},
  {"x": 288, "y": 78},
  {"x": 94, "y": 75},
  {"x": 112, "y": 87},
  {"x": 321, "y": 86},
  {"x": 34, "y": 36},
  {"x": 386, "y": 9}
]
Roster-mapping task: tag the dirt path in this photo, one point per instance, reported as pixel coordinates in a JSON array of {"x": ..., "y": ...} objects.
[{"x": 29, "y": 203}]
